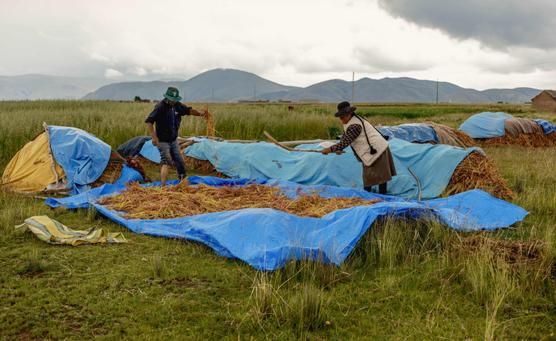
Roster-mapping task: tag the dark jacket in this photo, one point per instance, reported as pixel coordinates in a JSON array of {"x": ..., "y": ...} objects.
[{"x": 167, "y": 120}]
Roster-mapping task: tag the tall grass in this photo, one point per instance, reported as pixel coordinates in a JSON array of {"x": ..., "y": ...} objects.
[{"x": 116, "y": 122}]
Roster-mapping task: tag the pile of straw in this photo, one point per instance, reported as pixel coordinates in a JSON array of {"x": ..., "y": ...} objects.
[
  {"x": 453, "y": 137},
  {"x": 184, "y": 200},
  {"x": 478, "y": 171},
  {"x": 112, "y": 171},
  {"x": 202, "y": 166}
]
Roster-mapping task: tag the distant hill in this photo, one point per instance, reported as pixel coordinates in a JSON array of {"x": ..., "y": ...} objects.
[
  {"x": 403, "y": 89},
  {"x": 229, "y": 85},
  {"x": 219, "y": 85},
  {"x": 46, "y": 87}
]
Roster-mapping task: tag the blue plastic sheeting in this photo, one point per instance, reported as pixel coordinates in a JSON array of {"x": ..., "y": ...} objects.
[
  {"x": 129, "y": 175},
  {"x": 432, "y": 164},
  {"x": 267, "y": 239},
  {"x": 485, "y": 125},
  {"x": 150, "y": 152},
  {"x": 547, "y": 127},
  {"x": 82, "y": 156},
  {"x": 413, "y": 132}
]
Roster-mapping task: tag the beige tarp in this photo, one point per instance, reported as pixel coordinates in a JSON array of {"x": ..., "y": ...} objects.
[{"x": 54, "y": 232}]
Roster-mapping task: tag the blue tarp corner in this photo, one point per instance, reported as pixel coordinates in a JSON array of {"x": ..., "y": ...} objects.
[{"x": 547, "y": 127}]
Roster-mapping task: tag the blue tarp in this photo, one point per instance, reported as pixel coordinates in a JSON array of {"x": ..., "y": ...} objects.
[
  {"x": 412, "y": 132},
  {"x": 547, "y": 127},
  {"x": 432, "y": 164},
  {"x": 129, "y": 174},
  {"x": 150, "y": 152},
  {"x": 485, "y": 125},
  {"x": 82, "y": 156},
  {"x": 266, "y": 238}
]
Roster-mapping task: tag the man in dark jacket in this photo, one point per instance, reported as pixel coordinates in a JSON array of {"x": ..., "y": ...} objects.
[{"x": 166, "y": 118}]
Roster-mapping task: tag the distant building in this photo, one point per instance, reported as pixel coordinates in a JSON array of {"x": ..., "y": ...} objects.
[{"x": 545, "y": 101}]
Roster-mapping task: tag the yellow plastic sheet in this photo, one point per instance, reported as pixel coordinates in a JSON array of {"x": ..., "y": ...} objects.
[
  {"x": 54, "y": 232},
  {"x": 31, "y": 169}
]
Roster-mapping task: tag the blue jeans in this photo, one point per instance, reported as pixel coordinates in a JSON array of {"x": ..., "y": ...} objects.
[{"x": 170, "y": 155}]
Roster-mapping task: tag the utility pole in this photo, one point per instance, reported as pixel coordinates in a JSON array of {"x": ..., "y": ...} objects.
[
  {"x": 255, "y": 92},
  {"x": 212, "y": 94},
  {"x": 437, "y": 91},
  {"x": 352, "y": 86}
]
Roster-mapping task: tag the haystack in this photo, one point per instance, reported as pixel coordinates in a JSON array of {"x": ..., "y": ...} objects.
[
  {"x": 521, "y": 132},
  {"x": 477, "y": 171}
]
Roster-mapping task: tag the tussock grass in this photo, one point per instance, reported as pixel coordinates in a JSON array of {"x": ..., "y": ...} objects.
[{"x": 405, "y": 279}]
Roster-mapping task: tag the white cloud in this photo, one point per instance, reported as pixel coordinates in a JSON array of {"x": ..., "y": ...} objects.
[
  {"x": 112, "y": 74},
  {"x": 288, "y": 41}
]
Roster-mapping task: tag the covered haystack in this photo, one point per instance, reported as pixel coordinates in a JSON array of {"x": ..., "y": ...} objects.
[
  {"x": 63, "y": 159},
  {"x": 501, "y": 129},
  {"x": 477, "y": 171},
  {"x": 183, "y": 200},
  {"x": 429, "y": 132},
  {"x": 522, "y": 132}
]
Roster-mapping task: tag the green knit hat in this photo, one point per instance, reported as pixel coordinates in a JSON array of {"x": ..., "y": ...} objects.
[{"x": 172, "y": 94}]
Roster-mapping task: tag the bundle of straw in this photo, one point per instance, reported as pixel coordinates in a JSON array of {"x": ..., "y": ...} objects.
[
  {"x": 478, "y": 171},
  {"x": 211, "y": 131},
  {"x": 184, "y": 200}
]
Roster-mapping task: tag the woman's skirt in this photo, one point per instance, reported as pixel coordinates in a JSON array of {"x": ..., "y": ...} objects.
[{"x": 382, "y": 170}]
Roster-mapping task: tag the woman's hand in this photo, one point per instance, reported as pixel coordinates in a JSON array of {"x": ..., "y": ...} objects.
[{"x": 326, "y": 151}]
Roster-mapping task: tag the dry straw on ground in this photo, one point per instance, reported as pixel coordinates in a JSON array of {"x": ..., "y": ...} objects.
[{"x": 185, "y": 200}]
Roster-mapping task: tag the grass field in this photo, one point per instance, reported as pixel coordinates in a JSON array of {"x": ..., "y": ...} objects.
[{"x": 406, "y": 280}]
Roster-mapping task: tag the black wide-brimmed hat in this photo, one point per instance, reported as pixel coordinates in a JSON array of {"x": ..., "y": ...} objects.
[{"x": 344, "y": 108}]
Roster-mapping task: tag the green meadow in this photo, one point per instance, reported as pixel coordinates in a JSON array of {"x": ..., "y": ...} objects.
[{"x": 405, "y": 280}]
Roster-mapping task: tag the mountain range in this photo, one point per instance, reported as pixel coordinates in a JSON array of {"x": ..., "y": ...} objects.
[
  {"x": 36, "y": 86},
  {"x": 229, "y": 85}
]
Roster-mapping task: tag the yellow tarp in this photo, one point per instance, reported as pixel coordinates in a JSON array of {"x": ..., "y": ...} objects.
[
  {"x": 54, "y": 232},
  {"x": 30, "y": 170}
]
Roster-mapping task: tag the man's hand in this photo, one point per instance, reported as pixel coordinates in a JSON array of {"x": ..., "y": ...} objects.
[
  {"x": 326, "y": 151},
  {"x": 155, "y": 141}
]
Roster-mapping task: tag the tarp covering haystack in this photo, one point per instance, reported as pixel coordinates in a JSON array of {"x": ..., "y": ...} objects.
[
  {"x": 499, "y": 129},
  {"x": 424, "y": 170},
  {"x": 267, "y": 237},
  {"x": 65, "y": 159},
  {"x": 428, "y": 133}
]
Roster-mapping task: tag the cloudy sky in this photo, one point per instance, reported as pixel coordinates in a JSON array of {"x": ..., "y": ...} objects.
[{"x": 474, "y": 43}]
